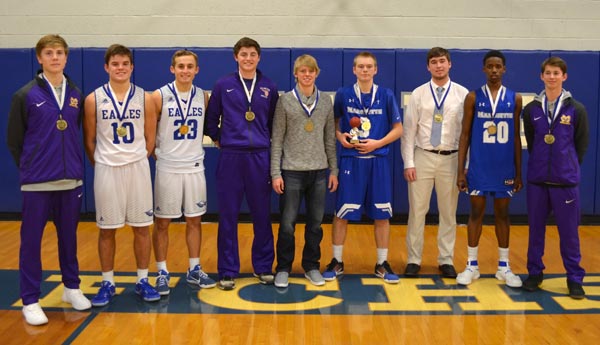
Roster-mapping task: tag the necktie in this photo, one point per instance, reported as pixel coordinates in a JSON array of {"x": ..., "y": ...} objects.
[{"x": 436, "y": 127}]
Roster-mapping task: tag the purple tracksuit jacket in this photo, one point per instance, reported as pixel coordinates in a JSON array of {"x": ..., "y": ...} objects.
[{"x": 243, "y": 167}]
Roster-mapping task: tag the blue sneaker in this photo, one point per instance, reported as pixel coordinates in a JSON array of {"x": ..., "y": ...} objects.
[
  {"x": 334, "y": 269},
  {"x": 200, "y": 278},
  {"x": 385, "y": 271},
  {"x": 146, "y": 291},
  {"x": 106, "y": 292},
  {"x": 162, "y": 282}
]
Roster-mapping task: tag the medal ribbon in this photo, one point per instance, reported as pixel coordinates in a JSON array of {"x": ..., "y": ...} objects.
[
  {"x": 439, "y": 105},
  {"x": 119, "y": 108},
  {"x": 552, "y": 117},
  {"x": 185, "y": 111},
  {"x": 494, "y": 103},
  {"x": 60, "y": 100},
  {"x": 248, "y": 92},
  {"x": 373, "y": 92},
  {"x": 308, "y": 110}
]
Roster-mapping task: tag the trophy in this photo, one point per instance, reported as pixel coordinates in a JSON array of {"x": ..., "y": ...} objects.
[{"x": 355, "y": 124}]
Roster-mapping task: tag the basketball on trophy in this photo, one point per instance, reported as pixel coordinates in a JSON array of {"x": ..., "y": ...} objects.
[{"x": 355, "y": 122}]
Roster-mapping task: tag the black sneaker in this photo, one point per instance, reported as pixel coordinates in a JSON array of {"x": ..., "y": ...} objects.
[
  {"x": 226, "y": 283},
  {"x": 533, "y": 282},
  {"x": 334, "y": 269},
  {"x": 575, "y": 290},
  {"x": 266, "y": 278}
]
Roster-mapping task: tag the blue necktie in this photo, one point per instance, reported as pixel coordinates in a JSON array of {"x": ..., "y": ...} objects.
[{"x": 436, "y": 127}]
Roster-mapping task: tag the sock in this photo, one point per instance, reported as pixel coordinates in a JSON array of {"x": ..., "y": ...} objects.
[
  {"x": 503, "y": 259},
  {"x": 194, "y": 262},
  {"x": 381, "y": 255},
  {"x": 142, "y": 274},
  {"x": 162, "y": 265},
  {"x": 109, "y": 277},
  {"x": 337, "y": 252},
  {"x": 472, "y": 256}
]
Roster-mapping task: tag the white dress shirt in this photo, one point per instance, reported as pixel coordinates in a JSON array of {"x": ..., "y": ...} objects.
[{"x": 418, "y": 119}]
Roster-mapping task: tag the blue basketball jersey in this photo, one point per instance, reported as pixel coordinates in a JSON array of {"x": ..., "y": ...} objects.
[
  {"x": 492, "y": 152},
  {"x": 377, "y": 113}
]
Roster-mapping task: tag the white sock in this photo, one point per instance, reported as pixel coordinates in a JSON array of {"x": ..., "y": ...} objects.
[
  {"x": 503, "y": 259},
  {"x": 109, "y": 277},
  {"x": 381, "y": 255},
  {"x": 472, "y": 256},
  {"x": 337, "y": 252},
  {"x": 194, "y": 262},
  {"x": 162, "y": 265},
  {"x": 142, "y": 274}
]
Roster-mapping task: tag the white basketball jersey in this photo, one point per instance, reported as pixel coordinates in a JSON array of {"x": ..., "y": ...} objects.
[
  {"x": 119, "y": 127},
  {"x": 180, "y": 131}
]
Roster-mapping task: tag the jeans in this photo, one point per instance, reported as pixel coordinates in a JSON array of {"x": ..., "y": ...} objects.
[{"x": 312, "y": 186}]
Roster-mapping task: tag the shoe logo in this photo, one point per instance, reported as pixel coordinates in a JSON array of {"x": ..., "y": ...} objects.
[
  {"x": 40, "y": 104},
  {"x": 537, "y": 118},
  {"x": 569, "y": 201},
  {"x": 229, "y": 90}
]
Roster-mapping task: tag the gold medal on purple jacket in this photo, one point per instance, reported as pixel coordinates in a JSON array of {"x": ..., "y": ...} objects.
[{"x": 61, "y": 124}]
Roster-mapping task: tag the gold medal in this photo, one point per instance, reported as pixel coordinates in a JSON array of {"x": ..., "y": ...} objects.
[
  {"x": 492, "y": 129},
  {"x": 366, "y": 125},
  {"x": 184, "y": 129},
  {"x": 250, "y": 116},
  {"x": 549, "y": 139},
  {"x": 309, "y": 126},
  {"x": 438, "y": 117},
  {"x": 121, "y": 131},
  {"x": 61, "y": 124}
]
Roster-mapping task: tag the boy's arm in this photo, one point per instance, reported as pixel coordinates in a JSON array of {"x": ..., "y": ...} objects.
[{"x": 89, "y": 127}]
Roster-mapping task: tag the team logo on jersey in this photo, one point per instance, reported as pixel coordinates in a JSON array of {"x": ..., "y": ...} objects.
[
  {"x": 265, "y": 92},
  {"x": 105, "y": 101},
  {"x": 565, "y": 120},
  {"x": 74, "y": 102}
]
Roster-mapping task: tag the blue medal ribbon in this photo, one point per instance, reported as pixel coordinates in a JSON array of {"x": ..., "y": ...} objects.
[
  {"x": 120, "y": 114},
  {"x": 438, "y": 106},
  {"x": 307, "y": 110},
  {"x": 185, "y": 114}
]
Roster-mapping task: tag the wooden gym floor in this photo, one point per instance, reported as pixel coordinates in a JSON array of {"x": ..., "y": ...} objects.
[{"x": 358, "y": 309}]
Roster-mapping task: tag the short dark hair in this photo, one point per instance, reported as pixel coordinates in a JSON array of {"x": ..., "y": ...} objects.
[
  {"x": 117, "y": 49},
  {"x": 494, "y": 53},
  {"x": 556, "y": 62},
  {"x": 245, "y": 42},
  {"x": 437, "y": 52}
]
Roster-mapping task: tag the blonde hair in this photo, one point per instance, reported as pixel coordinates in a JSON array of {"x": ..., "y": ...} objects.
[
  {"x": 183, "y": 52},
  {"x": 51, "y": 40},
  {"x": 308, "y": 61}
]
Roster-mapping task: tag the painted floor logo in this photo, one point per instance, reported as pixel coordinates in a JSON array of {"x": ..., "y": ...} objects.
[{"x": 351, "y": 295}]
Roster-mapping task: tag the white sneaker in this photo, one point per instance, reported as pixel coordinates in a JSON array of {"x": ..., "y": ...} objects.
[
  {"x": 510, "y": 278},
  {"x": 34, "y": 315},
  {"x": 76, "y": 299},
  {"x": 470, "y": 273}
]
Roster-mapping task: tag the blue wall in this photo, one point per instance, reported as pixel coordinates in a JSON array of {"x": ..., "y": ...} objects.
[{"x": 401, "y": 70}]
